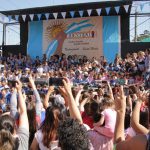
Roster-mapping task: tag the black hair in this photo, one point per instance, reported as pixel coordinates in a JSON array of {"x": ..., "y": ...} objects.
[{"x": 72, "y": 135}]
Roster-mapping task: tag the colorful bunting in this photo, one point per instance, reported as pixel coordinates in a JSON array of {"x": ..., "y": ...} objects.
[
  {"x": 99, "y": 11},
  {"x": 47, "y": 16},
  {"x": 126, "y": 7},
  {"x": 89, "y": 12},
  {"x": 63, "y": 14},
  {"x": 24, "y": 17},
  {"x": 31, "y": 16},
  {"x": 81, "y": 13},
  {"x": 72, "y": 13},
  {"x": 9, "y": 18},
  {"x": 39, "y": 16},
  {"x": 55, "y": 15},
  {"x": 117, "y": 8},
  {"x": 107, "y": 10},
  {"x": 16, "y": 17},
  {"x": 141, "y": 7},
  {"x": 3, "y": 18}
]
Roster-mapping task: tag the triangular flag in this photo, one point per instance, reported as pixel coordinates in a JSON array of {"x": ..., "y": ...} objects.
[
  {"x": 31, "y": 16},
  {"x": 117, "y": 8},
  {"x": 99, "y": 11},
  {"x": 107, "y": 10},
  {"x": 39, "y": 16},
  {"x": 9, "y": 18},
  {"x": 81, "y": 13},
  {"x": 3, "y": 18},
  {"x": 126, "y": 7},
  {"x": 24, "y": 17},
  {"x": 55, "y": 15},
  {"x": 89, "y": 12},
  {"x": 63, "y": 14},
  {"x": 16, "y": 17},
  {"x": 47, "y": 16},
  {"x": 141, "y": 6},
  {"x": 72, "y": 13}
]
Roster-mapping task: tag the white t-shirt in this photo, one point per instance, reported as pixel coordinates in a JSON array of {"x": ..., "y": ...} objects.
[
  {"x": 40, "y": 70},
  {"x": 39, "y": 138}
]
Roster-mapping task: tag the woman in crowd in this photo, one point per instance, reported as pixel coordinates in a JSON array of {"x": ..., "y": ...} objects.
[
  {"x": 12, "y": 136},
  {"x": 93, "y": 82},
  {"x": 139, "y": 142}
]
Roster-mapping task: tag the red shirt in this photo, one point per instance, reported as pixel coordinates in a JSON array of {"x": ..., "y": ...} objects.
[{"x": 87, "y": 119}]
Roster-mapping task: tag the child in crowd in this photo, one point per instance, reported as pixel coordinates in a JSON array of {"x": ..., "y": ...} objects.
[{"x": 108, "y": 118}]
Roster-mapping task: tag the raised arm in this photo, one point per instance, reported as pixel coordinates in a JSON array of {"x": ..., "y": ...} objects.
[
  {"x": 77, "y": 98},
  {"x": 13, "y": 105},
  {"x": 23, "y": 119},
  {"x": 110, "y": 91},
  {"x": 73, "y": 109},
  {"x": 46, "y": 99},
  {"x": 120, "y": 105},
  {"x": 36, "y": 93},
  {"x": 38, "y": 101},
  {"x": 81, "y": 106},
  {"x": 135, "y": 119}
]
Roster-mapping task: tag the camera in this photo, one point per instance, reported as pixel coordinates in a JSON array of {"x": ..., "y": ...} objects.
[
  {"x": 56, "y": 81},
  {"x": 24, "y": 79},
  {"x": 29, "y": 92},
  {"x": 41, "y": 81}
]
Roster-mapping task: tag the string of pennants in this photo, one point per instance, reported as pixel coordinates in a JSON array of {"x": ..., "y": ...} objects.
[{"x": 72, "y": 13}]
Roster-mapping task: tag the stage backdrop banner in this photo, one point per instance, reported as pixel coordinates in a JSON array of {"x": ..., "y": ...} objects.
[
  {"x": 81, "y": 36},
  {"x": 90, "y": 36}
]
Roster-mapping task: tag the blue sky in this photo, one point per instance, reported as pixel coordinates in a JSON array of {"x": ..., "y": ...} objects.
[{"x": 20, "y": 4}]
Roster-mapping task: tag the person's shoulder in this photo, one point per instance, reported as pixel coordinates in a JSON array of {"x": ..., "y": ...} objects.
[
  {"x": 138, "y": 142},
  {"x": 23, "y": 137},
  {"x": 22, "y": 130}
]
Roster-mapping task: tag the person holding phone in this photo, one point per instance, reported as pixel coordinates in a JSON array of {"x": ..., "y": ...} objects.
[{"x": 15, "y": 138}]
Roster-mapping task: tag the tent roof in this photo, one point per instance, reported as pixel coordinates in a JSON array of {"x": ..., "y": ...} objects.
[{"x": 71, "y": 7}]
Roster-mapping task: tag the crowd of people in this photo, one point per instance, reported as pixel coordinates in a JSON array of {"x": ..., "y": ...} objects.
[{"x": 75, "y": 103}]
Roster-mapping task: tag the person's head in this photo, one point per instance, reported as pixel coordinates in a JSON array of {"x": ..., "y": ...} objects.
[
  {"x": 54, "y": 114},
  {"x": 7, "y": 128},
  {"x": 141, "y": 54},
  {"x": 72, "y": 135},
  {"x": 134, "y": 55},
  {"x": 107, "y": 102}
]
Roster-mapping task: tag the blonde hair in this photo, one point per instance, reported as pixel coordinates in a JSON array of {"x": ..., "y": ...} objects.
[
  {"x": 107, "y": 102},
  {"x": 141, "y": 53}
]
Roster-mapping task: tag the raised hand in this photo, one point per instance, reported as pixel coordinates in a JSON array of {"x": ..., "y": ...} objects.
[
  {"x": 51, "y": 89},
  {"x": 18, "y": 85},
  {"x": 67, "y": 86},
  {"x": 120, "y": 100},
  {"x": 143, "y": 96}
]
